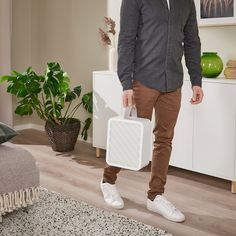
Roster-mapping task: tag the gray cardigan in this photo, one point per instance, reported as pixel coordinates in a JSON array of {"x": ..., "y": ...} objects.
[{"x": 152, "y": 41}]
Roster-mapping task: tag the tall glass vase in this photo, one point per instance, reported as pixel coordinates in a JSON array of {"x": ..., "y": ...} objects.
[{"x": 112, "y": 59}]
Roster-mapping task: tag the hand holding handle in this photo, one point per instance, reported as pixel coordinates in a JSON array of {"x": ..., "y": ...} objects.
[{"x": 129, "y": 111}]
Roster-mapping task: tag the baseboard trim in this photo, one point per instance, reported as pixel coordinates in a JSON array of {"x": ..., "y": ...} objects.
[
  {"x": 29, "y": 126},
  {"x": 41, "y": 128}
]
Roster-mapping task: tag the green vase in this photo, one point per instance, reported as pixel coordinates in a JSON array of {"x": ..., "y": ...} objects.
[{"x": 212, "y": 65}]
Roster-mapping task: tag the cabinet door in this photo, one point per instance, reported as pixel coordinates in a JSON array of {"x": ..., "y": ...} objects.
[
  {"x": 107, "y": 103},
  {"x": 182, "y": 143},
  {"x": 214, "y": 131}
]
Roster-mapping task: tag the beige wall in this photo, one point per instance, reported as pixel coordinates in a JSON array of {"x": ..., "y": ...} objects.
[
  {"x": 63, "y": 31},
  {"x": 215, "y": 39},
  {"x": 5, "y": 60},
  {"x": 21, "y": 44}
]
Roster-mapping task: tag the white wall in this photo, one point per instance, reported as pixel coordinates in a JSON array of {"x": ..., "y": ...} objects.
[
  {"x": 214, "y": 39},
  {"x": 5, "y": 60},
  {"x": 65, "y": 31},
  {"x": 113, "y": 11},
  {"x": 219, "y": 39}
]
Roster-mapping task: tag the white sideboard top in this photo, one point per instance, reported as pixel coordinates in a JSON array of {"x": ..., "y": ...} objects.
[
  {"x": 221, "y": 80},
  {"x": 105, "y": 72}
]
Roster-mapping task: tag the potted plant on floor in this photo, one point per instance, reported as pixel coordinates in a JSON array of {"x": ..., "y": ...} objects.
[{"x": 50, "y": 96}]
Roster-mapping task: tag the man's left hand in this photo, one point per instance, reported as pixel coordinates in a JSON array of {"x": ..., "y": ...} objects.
[{"x": 197, "y": 95}]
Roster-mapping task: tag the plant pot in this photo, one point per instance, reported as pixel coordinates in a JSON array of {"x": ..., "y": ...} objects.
[
  {"x": 63, "y": 137},
  {"x": 212, "y": 65}
]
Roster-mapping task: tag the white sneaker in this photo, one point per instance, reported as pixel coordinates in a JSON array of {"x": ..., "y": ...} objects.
[
  {"x": 165, "y": 208},
  {"x": 111, "y": 195}
]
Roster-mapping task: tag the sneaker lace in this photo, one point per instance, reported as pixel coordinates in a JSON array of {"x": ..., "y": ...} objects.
[
  {"x": 168, "y": 204},
  {"x": 114, "y": 193}
]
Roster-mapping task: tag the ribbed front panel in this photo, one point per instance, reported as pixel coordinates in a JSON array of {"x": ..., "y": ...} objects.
[{"x": 124, "y": 144}]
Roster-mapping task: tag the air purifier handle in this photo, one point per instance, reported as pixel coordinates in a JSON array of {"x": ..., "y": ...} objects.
[{"x": 129, "y": 111}]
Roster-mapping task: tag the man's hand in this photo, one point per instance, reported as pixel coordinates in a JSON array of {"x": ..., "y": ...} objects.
[
  {"x": 197, "y": 95},
  {"x": 128, "y": 98}
]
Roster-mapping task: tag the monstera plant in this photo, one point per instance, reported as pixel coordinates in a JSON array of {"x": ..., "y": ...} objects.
[{"x": 51, "y": 98}]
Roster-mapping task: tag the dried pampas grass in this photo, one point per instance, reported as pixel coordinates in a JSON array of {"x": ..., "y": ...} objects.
[
  {"x": 111, "y": 25},
  {"x": 104, "y": 35}
]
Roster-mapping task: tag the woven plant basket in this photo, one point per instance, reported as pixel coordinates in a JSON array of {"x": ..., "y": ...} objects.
[{"x": 63, "y": 137}]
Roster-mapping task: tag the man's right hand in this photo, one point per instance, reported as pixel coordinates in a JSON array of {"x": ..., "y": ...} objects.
[{"x": 128, "y": 98}]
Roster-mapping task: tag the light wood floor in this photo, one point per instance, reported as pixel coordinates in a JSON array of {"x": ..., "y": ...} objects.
[{"x": 208, "y": 204}]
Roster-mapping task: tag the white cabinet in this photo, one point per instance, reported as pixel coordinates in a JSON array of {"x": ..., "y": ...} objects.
[
  {"x": 107, "y": 102},
  {"x": 214, "y": 131},
  {"x": 204, "y": 139},
  {"x": 182, "y": 143}
]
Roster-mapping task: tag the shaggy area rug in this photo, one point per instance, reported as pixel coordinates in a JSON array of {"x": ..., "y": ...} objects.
[{"x": 57, "y": 215}]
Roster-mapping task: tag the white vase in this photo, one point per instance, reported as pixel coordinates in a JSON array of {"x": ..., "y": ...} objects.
[{"x": 112, "y": 59}]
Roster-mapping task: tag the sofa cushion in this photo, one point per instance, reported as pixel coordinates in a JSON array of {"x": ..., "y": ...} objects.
[{"x": 6, "y": 133}]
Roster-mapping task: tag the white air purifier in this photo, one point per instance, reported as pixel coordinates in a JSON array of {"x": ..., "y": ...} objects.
[{"x": 129, "y": 140}]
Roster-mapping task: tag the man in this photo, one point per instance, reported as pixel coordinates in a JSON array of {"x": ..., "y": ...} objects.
[{"x": 153, "y": 36}]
